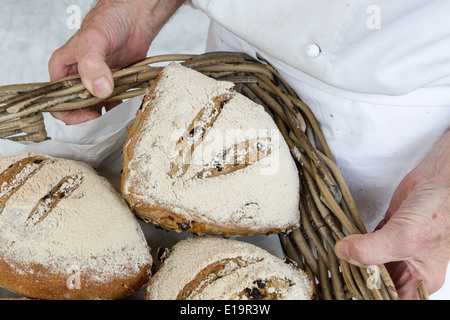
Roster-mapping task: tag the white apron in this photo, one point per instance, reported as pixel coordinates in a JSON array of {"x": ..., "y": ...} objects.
[{"x": 380, "y": 121}]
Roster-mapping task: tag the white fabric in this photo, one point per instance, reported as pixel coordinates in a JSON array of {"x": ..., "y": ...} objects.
[
  {"x": 403, "y": 50},
  {"x": 376, "y": 138}
]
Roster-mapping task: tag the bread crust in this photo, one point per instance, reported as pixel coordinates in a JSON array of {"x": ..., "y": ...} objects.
[
  {"x": 168, "y": 219},
  {"x": 43, "y": 284}
]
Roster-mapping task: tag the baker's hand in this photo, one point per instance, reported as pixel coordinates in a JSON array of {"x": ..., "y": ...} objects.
[
  {"x": 115, "y": 33},
  {"x": 413, "y": 240}
]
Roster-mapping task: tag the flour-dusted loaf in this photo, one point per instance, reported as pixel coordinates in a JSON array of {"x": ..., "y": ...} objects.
[
  {"x": 205, "y": 159},
  {"x": 66, "y": 233},
  {"x": 213, "y": 268}
]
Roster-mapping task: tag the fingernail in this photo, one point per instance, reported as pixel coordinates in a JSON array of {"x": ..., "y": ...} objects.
[
  {"x": 102, "y": 88},
  {"x": 340, "y": 249}
]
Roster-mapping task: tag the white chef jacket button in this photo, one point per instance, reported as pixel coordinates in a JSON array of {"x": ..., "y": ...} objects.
[{"x": 313, "y": 50}]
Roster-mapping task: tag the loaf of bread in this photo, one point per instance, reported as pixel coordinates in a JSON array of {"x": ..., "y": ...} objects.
[
  {"x": 212, "y": 268},
  {"x": 66, "y": 233},
  {"x": 205, "y": 159}
]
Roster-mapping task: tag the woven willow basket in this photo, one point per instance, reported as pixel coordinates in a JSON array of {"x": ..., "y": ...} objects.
[{"x": 328, "y": 211}]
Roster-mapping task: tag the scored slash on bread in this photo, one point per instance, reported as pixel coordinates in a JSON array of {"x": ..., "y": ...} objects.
[
  {"x": 237, "y": 157},
  {"x": 212, "y": 272},
  {"x": 45, "y": 205},
  {"x": 19, "y": 172},
  {"x": 16, "y": 175},
  {"x": 195, "y": 134}
]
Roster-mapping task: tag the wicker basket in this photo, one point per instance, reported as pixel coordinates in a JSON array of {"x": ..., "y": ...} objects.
[{"x": 328, "y": 211}]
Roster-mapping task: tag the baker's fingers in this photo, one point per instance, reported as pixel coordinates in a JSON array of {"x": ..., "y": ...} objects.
[
  {"x": 379, "y": 247},
  {"x": 63, "y": 61},
  {"x": 92, "y": 67}
]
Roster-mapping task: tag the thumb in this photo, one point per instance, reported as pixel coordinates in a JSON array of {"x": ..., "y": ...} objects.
[
  {"x": 92, "y": 67},
  {"x": 374, "y": 248}
]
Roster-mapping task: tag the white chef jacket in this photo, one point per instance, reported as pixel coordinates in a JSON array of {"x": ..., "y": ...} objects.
[{"x": 376, "y": 74}]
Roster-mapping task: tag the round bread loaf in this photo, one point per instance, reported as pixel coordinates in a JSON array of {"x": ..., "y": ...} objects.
[
  {"x": 66, "y": 233},
  {"x": 210, "y": 268},
  {"x": 203, "y": 158}
]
